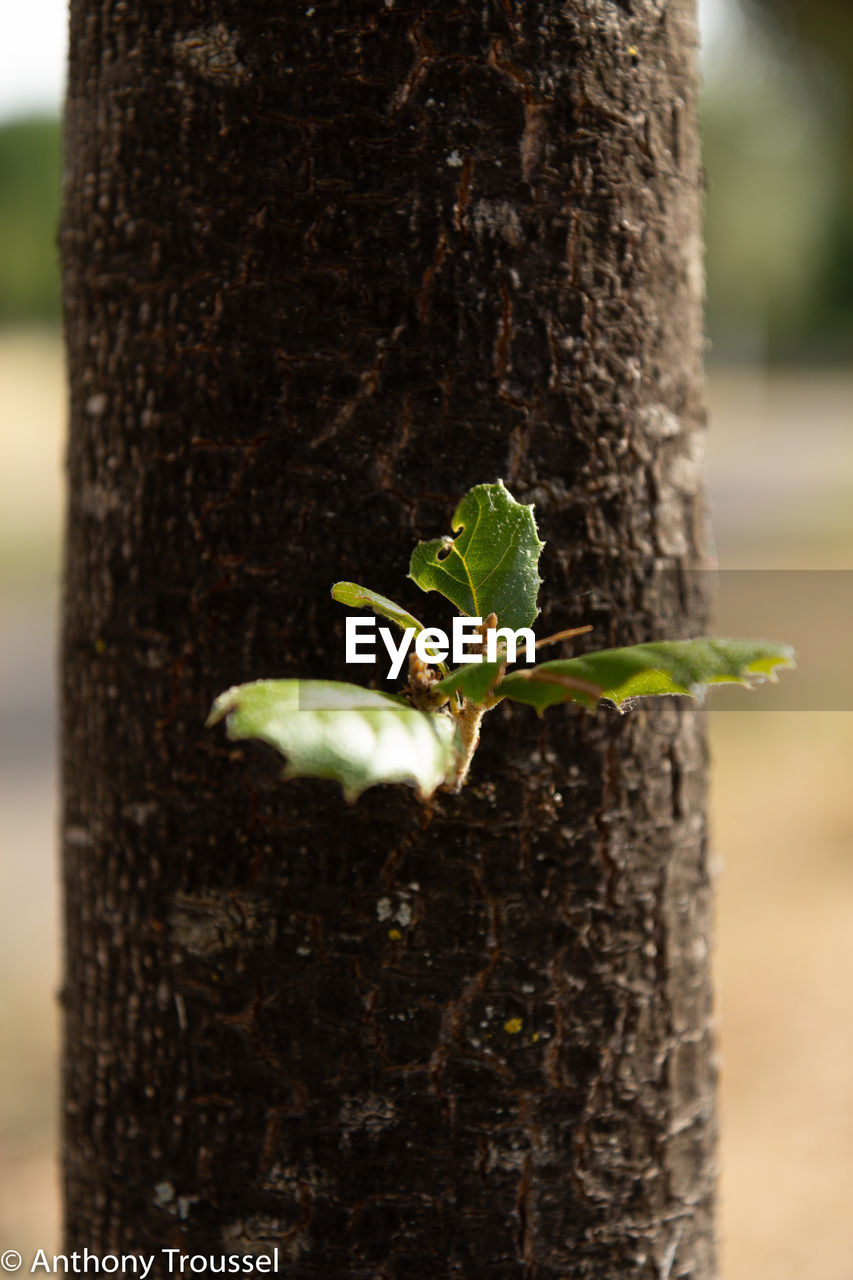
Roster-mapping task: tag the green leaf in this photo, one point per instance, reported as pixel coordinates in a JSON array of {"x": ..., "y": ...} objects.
[
  {"x": 358, "y": 737},
  {"x": 671, "y": 666},
  {"x": 492, "y": 565},
  {"x": 476, "y": 681},
  {"x": 356, "y": 597}
]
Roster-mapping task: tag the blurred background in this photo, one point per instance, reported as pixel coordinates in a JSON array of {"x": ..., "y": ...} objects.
[{"x": 778, "y": 137}]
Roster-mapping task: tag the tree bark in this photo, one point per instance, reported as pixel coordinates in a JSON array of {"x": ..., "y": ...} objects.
[{"x": 325, "y": 268}]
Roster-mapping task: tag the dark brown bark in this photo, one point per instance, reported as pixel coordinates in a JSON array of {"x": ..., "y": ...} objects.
[{"x": 325, "y": 268}]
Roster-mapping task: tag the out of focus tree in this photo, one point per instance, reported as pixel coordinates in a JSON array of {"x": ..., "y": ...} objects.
[{"x": 29, "y": 206}]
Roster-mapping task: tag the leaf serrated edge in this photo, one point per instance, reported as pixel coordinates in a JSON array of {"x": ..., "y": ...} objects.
[
  {"x": 458, "y": 526},
  {"x": 448, "y": 769},
  {"x": 762, "y": 668}
]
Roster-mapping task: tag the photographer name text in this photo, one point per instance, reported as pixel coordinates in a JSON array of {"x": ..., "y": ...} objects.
[{"x": 166, "y": 1262}]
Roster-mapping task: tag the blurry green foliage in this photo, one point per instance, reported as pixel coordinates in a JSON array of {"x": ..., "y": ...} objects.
[
  {"x": 822, "y": 30},
  {"x": 29, "y": 208},
  {"x": 778, "y": 146},
  {"x": 778, "y": 135}
]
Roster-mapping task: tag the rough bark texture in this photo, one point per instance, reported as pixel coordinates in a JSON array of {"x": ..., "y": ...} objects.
[{"x": 326, "y": 267}]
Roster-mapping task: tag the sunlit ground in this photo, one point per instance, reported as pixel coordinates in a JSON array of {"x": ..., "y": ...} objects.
[{"x": 780, "y": 464}]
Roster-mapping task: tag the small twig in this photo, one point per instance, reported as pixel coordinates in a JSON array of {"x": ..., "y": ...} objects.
[
  {"x": 563, "y": 635},
  {"x": 468, "y": 720}
]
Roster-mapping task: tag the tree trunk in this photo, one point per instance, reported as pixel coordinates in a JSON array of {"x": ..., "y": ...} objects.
[{"x": 325, "y": 268}]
